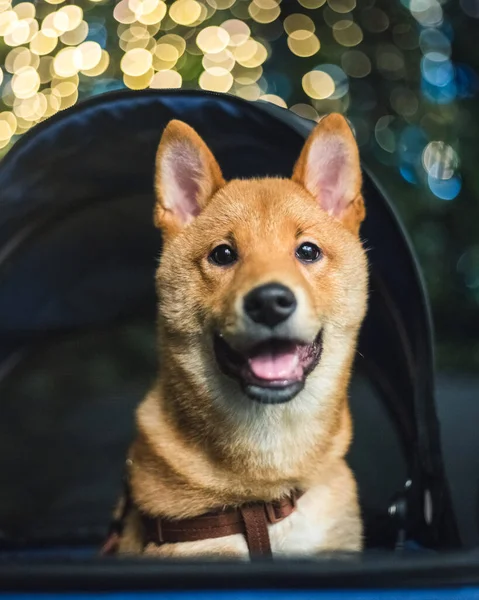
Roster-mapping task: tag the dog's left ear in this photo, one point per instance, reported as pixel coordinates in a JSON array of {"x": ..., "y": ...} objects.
[
  {"x": 187, "y": 176},
  {"x": 329, "y": 169}
]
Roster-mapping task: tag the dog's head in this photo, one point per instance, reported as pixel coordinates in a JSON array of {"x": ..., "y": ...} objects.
[{"x": 263, "y": 282}]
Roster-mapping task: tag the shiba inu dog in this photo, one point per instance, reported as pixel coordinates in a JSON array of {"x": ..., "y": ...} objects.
[{"x": 262, "y": 288}]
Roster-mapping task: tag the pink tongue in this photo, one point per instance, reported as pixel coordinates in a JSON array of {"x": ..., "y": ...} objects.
[{"x": 279, "y": 365}]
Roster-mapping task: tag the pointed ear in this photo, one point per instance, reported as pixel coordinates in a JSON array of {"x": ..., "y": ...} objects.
[
  {"x": 187, "y": 175},
  {"x": 329, "y": 169}
]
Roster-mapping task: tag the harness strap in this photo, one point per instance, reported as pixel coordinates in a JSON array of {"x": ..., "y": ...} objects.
[
  {"x": 251, "y": 520},
  {"x": 256, "y": 530}
]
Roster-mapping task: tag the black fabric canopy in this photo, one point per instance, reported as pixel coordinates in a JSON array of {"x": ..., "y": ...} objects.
[{"x": 78, "y": 252}]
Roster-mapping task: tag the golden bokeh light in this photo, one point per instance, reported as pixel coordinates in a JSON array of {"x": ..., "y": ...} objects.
[
  {"x": 221, "y": 4},
  {"x": 56, "y": 51},
  {"x": 219, "y": 63},
  {"x": 185, "y": 12},
  {"x": 101, "y": 66},
  {"x": 238, "y": 31},
  {"x": 137, "y": 63},
  {"x": 212, "y": 39},
  {"x": 204, "y": 14},
  {"x": 298, "y": 21},
  {"x": 263, "y": 15},
  {"x": 123, "y": 14},
  {"x": 174, "y": 40},
  {"x": 8, "y": 125},
  {"x": 166, "y": 79},
  {"x": 64, "y": 89},
  {"x": 74, "y": 15},
  {"x": 67, "y": 62},
  {"x": 60, "y": 21},
  {"x": 54, "y": 24},
  {"x": 135, "y": 36},
  {"x": 248, "y": 92},
  {"x": 244, "y": 76},
  {"x": 303, "y": 43},
  {"x": 21, "y": 32},
  {"x": 23, "y": 126},
  {"x": 306, "y": 111},
  {"x": 90, "y": 55},
  {"x": 251, "y": 54},
  {"x": 139, "y": 82},
  {"x": 15, "y": 53},
  {"x": 69, "y": 101},
  {"x": 42, "y": 44},
  {"x": 266, "y": 4},
  {"x": 25, "y": 58},
  {"x": 30, "y": 109},
  {"x": 246, "y": 51},
  {"x": 311, "y": 4},
  {"x": 274, "y": 100},
  {"x": 53, "y": 103},
  {"x": 165, "y": 57},
  {"x": 142, "y": 7},
  {"x": 8, "y": 96},
  {"x": 75, "y": 36},
  {"x": 148, "y": 12},
  {"x": 342, "y": 6},
  {"x": 8, "y": 21},
  {"x": 318, "y": 85},
  {"x": 25, "y": 83},
  {"x": 347, "y": 33},
  {"x": 213, "y": 83},
  {"x": 25, "y": 10}
]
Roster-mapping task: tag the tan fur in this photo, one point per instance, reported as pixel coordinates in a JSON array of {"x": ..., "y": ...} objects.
[{"x": 201, "y": 442}]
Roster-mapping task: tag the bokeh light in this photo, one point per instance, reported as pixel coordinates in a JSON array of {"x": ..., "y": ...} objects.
[{"x": 355, "y": 56}]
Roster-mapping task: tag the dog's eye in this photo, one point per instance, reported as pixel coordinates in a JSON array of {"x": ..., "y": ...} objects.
[
  {"x": 308, "y": 252},
  {"x": 223, "y": 255}
]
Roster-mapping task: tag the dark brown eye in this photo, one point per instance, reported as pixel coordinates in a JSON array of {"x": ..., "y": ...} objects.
[
  {"x": 223, "y": 255},
  {"x": 308, "y": 252}
]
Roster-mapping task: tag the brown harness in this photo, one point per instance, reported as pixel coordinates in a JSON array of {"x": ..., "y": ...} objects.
[{"x": 250, "y": 520}]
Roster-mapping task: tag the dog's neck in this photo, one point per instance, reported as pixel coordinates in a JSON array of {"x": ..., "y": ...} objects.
[
  {"x": 214, "y": 414},
  {"x": 211, "y": 437}
]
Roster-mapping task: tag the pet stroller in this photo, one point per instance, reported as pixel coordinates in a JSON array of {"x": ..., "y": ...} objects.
[{"x": 78, "y": 252}]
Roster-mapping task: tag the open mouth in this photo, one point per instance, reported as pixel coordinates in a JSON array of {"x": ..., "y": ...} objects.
[{"x": 271, "y": 372}]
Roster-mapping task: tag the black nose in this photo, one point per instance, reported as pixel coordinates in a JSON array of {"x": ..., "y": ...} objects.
[{"x": 270, "y": 304}]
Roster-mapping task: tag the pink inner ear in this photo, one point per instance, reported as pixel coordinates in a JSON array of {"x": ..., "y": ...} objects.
[
  {"x": 328, "y": 175},
  {"x": 182, "y": 170}
]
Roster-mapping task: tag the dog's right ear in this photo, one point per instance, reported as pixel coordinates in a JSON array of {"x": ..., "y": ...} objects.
[{"x": 187, "y": 175}]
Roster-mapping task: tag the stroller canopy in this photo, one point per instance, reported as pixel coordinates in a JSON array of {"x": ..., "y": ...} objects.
[{"x": 78, "y": 252}]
